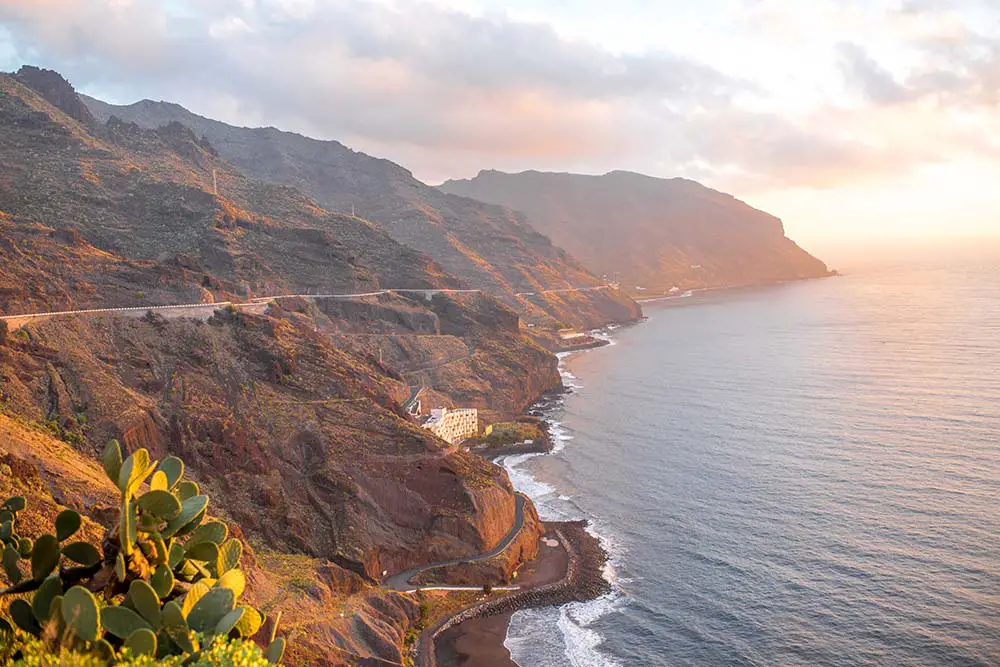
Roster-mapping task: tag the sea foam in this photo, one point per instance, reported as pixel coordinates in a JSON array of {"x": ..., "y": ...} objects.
[{"x": 547, "y": 637}]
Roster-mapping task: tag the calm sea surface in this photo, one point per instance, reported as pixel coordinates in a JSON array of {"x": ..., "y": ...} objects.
[{"x": 801, "y": 475}]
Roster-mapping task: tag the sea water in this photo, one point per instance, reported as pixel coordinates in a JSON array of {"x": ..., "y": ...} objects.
[{"x": 807, "y": 474}]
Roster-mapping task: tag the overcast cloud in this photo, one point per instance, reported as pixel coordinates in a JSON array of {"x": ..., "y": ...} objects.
[{"x": 446, "y": 90}]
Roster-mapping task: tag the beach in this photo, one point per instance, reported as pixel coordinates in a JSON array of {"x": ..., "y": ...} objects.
[{"x": 568, "y": 568}]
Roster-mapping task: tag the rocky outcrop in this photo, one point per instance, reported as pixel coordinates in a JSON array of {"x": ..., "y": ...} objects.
[
  {"x": 305, "y": 442},
  {"x": 654, "y": 235},
  {"x": 496, "y": 571},
  {"x": 57, "y": 91}
]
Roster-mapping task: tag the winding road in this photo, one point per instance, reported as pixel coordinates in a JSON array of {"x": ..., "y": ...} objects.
[
  {"x": 401, "y": 582},
  {"x": 205, "y": 310}
]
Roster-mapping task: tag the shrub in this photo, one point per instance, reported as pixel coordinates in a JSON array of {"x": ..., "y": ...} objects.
[
  {"x": 218, "y": 653},
  {"x": 163, "y": 586}
]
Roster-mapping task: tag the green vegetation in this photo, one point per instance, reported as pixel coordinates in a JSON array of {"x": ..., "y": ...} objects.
[
  {"x": 164, "y": 590},
  {"x": 507, "y": 433},
  {"x": 218, "y": 652}
]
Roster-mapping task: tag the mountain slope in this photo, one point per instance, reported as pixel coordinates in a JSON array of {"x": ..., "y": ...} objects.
[
  {"x": 655, "y": 234},
  {"x": 307, "y": 439},
  {"x": 148, "y": 196},
  {"x": 487, "y": 247}
]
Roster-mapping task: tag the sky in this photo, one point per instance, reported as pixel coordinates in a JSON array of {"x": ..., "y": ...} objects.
[{"x": 855, "y": 121}]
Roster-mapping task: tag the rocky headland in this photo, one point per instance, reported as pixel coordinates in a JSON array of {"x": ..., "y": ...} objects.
[{"x": 654, "y": 236}]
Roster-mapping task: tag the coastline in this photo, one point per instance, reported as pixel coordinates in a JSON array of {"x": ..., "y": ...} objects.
[
  {"x": 694, "y": 291},
  {"x": 569, "y": 569},
  {"x": 478, "y": 636}
]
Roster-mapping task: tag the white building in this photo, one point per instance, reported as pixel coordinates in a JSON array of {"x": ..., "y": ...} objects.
[{"x": 453, "y": 426}]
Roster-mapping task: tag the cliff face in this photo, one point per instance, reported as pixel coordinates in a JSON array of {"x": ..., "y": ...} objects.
[
  {"x": 281, "y": 412},
  {"x": 163, "y": 198},
  {"x": 653, "y": 234},
  {"x": 487, "y": 247},
  {"x": 54, "y": 476}
]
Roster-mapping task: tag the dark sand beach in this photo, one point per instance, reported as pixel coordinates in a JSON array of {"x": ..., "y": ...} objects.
[{"x": 479, "y": 642}]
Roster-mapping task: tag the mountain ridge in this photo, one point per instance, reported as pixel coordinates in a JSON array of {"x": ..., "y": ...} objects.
[
  {"x": 487, "y": 246},
  {"x": 292, "y": 412},
  {"x": 669, "y": 234}
]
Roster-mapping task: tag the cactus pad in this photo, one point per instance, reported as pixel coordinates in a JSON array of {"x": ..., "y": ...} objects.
[
  {"x": 112, "y": 460},
  {"x": 213, "y": 531},
  {"x": 229, "y": 556},
  {"x": 142, "y": 642},
  {"x": 158, "y": 482},
  {"x": 194, "y": 594},
  {"x": 234, "y": 580},
  {"x": 79, "y": 610},
  {"x": 207, "y": 552},
  {"x": 275, "y": 651},
  {"x": 20, "y": 613},
  {"x": 67, "y": 523},
  {"x": 145, "y": 601},
  {"x": 41, "y": 604},
  {"x": 122, "y": 621},
  {"x": 173, "y": 468},
  {"x": 44, "y": 556},
  {"x": 210, "y": 609},
  {"x": 191, "y": 509},
  {"x": 133, "y": 472},
  {"x": 249, "y": 623},
  {"x": 229, "y": 621},
  {"x": 187, "y": 489},
  {"x": 162, "y": 581},
  {"x": 83, "y": 553},
  {"x": 161, "y": 504},
  {"x": 15, "y": 504},
  {"x": 10, "y": 558}
]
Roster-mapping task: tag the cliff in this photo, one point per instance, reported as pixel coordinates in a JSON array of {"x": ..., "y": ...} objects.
[
  {"x": 652, "y": 234},
  {"x": 54, "y": 476},
  {"x": 487, "y": 247},
  {"x": 280, "y": 410}
]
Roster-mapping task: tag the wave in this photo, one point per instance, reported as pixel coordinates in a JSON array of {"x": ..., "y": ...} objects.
[
  {"x": 603, "y": 334},
  {"x": 549, "y": 638}
]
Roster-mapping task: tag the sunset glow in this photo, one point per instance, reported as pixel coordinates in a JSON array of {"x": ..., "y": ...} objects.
[{"x": 848, "y": 119}]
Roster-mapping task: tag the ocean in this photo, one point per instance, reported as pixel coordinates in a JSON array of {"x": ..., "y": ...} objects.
[{"x": 806, "y": 474}]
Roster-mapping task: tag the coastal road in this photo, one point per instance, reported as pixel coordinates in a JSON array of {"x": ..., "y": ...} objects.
[
  {"x": 401, "y": 581},
  {"x": 205, "y": 310},
  {"x": 566, "y": 289}
]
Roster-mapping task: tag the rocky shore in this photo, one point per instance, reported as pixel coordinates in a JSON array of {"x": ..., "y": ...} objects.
[
  {"x": 580, "y": 344},
  {"x": 571, "y": 572}
]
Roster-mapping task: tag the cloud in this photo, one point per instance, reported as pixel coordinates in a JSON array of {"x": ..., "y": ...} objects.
[
  {"x": 446, "y": 93},
  {"x": 875, "y": 83}
]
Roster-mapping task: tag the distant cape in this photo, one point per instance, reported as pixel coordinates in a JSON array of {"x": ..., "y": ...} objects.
[{"x": 655, "y": 236}]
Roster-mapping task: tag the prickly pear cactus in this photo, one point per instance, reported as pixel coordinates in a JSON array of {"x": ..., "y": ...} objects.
[{"x": 166, "y": 582}]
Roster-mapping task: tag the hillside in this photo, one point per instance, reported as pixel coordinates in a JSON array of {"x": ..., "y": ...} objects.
[
  {"x": 486, "y": 246},
  {"x": 653, "y": 234},
  {"x": 290, "y": 411}
]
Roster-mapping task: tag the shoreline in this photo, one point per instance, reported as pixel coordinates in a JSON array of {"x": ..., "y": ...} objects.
[
  {"x": 694, "y": 291},
  {"x": 475, "y": 637}
]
